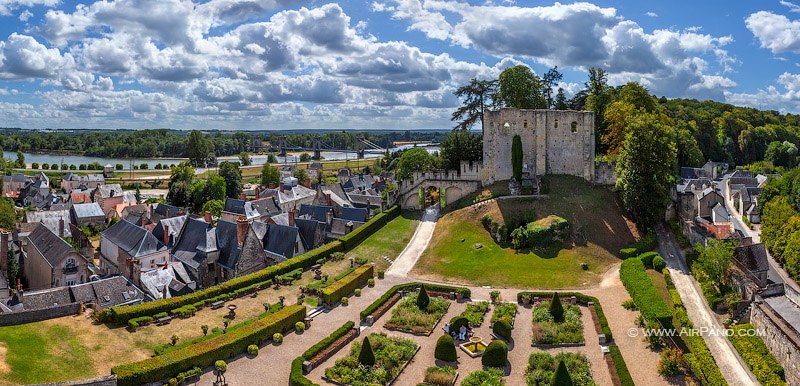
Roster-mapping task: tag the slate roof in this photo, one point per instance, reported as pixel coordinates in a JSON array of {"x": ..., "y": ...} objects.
[
  {"x": 686, "y": 186},
  {"x": 359, "y": 182},
  {"x": 688, "y": 173},
  {"x": 165, "y": 211},
  {"x": 134, "y": 240},
  {"x": 316, "y": 212},
  {"x": 154, "y": 281},
  {"x": 720, "y": 214},
  {"x": 175, "y": 225},
  {"x": 53, "y": 248},
  {"x": 338, "y": 195},
  {"x": 116, "y": 291},
  {"x": 310, "y": 231},
  {"x": 244, "y": 208},
  {"x": 753, "y": 257},
  {"x": 88, "y": 210},
  {"x": 196, "y": 239},
  {"x": 70, "y": 176},
  {"x": 110, "y": 190},
  {"x": 50, "y": 218},
  {"x": 47, "y": 298},
  {"x": 266, "y": 206},
  {"x": 280, "y": 239},
  {"x": 339, "y": 226},
  {"x": 281, "y": 219},
  {"x": 362, "y": 200},
  {"x": 354, "y": 214},
  {"x": 227, "y": 243}
]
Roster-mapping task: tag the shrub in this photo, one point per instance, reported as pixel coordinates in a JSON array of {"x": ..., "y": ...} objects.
[
  {"x": 347, "y": 284},
  {"x": 345, "y": 301},
  {"x": 221, "y": 366},
  {"x": 671, "y": 362},
  {"x": 205, "y": 329},
  {"x": 755, "y": 353},
  {"x": 457, "y": 322},
  {"x": 659, "y": 265},
  {"x": 357, "y": 292},
  {"x": 366, "y": 356},
  {"x": 561, "y": 377},
  {"x": 369, "y": 310},
  {"x": 647, "y": 259},
  {"x": 440, "y": 376},
  {"x": 380, "y": 274},
  {"x": 371, "y": 282},
  {"x": 641, "y": 288},
  {"x": 252, "y": 350},
  {"x": 445, "y": 349},
  {"x": 502, "y": 328},
  {"x": 629, "y": 305},
  {"x": 540, "y": 232},
  {"x": 423, "y": 300},
  {"x": 490, "y": 377},
  {"x": 627, "y": 253},
  {"x": 556, "y": 308},
  {"x": 299, "y": 326},
  {"x": 623, "y": 373},
  {"x": 504, "y": 311},
  {"x": 496, "y": 354},
  {"x": 277, "y": 338}
]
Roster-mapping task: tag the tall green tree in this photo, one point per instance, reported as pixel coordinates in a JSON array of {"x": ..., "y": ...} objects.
[
  {"x": 599, "y": 97},
  {"x": 516, "y": 157},
  {"x": 199, "y": 148},
  {"x": 476, "y": 97},
  {"x": 415, "y": 160},
  {"x": 549, "y": 80},
  {"x": 645, "y": 168},
  {"x": 20, "y": 159},
  {"x": 521, "y": 88},
  {"x": 460, "y": 145},
  {"x": 561, "y": 102},
  {"x": 180, "y": 185},
  {"x": 12, "y": 269},
  {"x": 232, "y": 175},
  {"x": 715, "y": 259},
  {"x": 270, "y": 174},
  {"x": 245, "y": 158},
  {"x": 8, "y": 216}
]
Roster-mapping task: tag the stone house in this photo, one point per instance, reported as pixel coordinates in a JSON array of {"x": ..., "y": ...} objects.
[
  {"x": 241, "y": 250},
  {"x": 130, "y": 250},
  {"x": 52, "y": 262},
  {"x": 196, "y": 248},
  {"x": 707, "y": 200},
  {"x": 72, "y": 181},
  {"x": 110, "y": 197},
  {"x": 56, "y": 220},
  {"x": 15, "y": 182},
  {"x": 87, "y": 214},
  {"x": 290, "y": 194}
]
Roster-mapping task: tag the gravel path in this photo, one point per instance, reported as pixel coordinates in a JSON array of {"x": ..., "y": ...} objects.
[
  {"x": 418, "y": 243},
  {"x": 730, "y": 364}
]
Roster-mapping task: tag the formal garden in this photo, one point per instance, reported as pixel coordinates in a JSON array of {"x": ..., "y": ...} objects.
[
  {"x": 566, "y": 239},
  {"x": 556, "y": 324}
]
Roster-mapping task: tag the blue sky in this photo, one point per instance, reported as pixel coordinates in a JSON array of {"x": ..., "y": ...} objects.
[{"x": 273, "y": 64}]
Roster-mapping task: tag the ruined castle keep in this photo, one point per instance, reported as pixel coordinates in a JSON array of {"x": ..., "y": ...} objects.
[{"x": 553, "y": 142}]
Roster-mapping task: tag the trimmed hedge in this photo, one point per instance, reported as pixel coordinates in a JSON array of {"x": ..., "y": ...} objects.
[
  {"x": 623, "y": 374},
  {"x": 407, "y": 287},
  {"x": 755, "y": 353},
  {"x": 582, "y": 299},
  {"x": 644, "y": 294},
  {"x": 645, "y": 244},
  {"x": 659, "y": 265},
  {"x": 346, "y": 285},
  {"x": 647, "y": 258},
  {"x": 204, "y": 353},
  {"x": 502, "y": 328},
  {"x": 359, "y": 234},
  {"x": 296, "y": 377}
]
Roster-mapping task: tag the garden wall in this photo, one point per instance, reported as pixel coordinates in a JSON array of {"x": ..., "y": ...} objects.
[
  {"x": 780, "y": 337},
  {"x": 30, "y": 316}
]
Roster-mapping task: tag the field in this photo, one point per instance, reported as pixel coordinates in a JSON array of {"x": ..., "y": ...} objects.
[{"x": 598, "y": 226}]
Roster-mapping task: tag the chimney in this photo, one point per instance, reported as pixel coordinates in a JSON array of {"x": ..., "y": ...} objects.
[
  {"x": 4, "y": 250},
  {"x": 61, "y": 227},
  {"x": 207, "y": 216},
  {"x": 307, "y": 183},
  {"x": 328, "y": 198},
  {"x": 329, "y": 217},
  {"x": 271, "y": 185},
  {"x": 241, "y": 228},
  {"x": 242, "y": 196},
  {"x": 258, "y": 192},
  {"x": 291, "y": 217},
  {"x": 165, "y": 292},
  {"x": 166, "y": 234}
]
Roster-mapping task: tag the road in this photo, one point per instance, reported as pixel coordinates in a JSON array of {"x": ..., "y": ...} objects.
[
  {"x": 730, "y": 364},
  {"x": 418, "y": 243}
]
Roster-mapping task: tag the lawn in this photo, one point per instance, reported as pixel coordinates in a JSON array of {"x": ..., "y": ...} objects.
[
  {"x": 387, "y": 241},
  {"x": 599, "y": 230},
  {"x": 38, "y": 353}
]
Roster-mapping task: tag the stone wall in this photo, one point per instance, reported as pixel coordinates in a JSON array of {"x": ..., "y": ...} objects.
[
  {"x": 553, "y": 142},
  {"x": 792, "y": 295},
  {"x": 605, "y": 173},
  {"x": 108, "y": 380},
  {"x": 782, "y": 340},
  {"x": 30, "y": 316}
]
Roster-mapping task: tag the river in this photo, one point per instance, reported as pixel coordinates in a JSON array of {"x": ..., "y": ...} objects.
[{"x": 258, "y": 159}]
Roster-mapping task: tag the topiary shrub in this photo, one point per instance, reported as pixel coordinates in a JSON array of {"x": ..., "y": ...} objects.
[
  {"x": 557, "y": 309},
  {"x": 457, "y": 322},
  {"x": 647, "y": 258},
  {"x": 496, "y": 354},
  {"x": 277, "y": 338},
  {"x": 252, "y": 350},
  {"x": 371, "y": 282},
  {"x": 561, "y": 376},
  {"x": 357, "y": 292},
  {"x": 221, "y": 366},
  {"x": 299, "y": 327},
  {"x": 445, "y": 349},
  {"x": 366, "y": 357},
  {"x": 502, "y": 328},
  {"x": 659, "y": 264},
  {"x": 423, "y": 299},
  {"x": 627, "y": 253},
  {"x": 345, "y": 301}
]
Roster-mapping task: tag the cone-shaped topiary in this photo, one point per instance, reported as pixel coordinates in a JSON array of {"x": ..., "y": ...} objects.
[
  {"x": 557, "y": 309},
  {"x": 496, "y": 354},
  {"x": 423, "y": 299},
  {"x": 445, "y": 349},
  {"x": 502, "y": 328},
  {"x": 561, "y": 376},
  {"x": 366, "y": 357}
]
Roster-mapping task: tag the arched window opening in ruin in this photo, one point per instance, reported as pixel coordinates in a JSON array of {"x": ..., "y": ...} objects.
[
  {"x": 574, "y": 127},
  {"x": 525, "y": 124},
  {"x": 556, "y": 125}
]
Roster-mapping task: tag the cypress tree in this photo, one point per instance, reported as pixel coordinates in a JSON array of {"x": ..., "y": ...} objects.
[
  {"x": 561, "y": 376},
  {"x": 516, "y": 157},
  {"x": 556, "y": 308},
  {"x": 366, "y": 357},
  {"x": 423, "y": 299}
]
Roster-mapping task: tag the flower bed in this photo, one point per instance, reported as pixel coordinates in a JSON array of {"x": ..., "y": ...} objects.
[
  {"x": 507, "y": 311},
  {"x": 408, "y": 317},
  {"x": 378, "y": 307},
  {"x": 475, "y": 312},
  {"x": 547, "y": 331},
  {"x": 439, "y": 376},
  {"x": 490, "y": 377},
  {"x": 542, "y": 366},
  {"x": 391, "y": 356}
]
